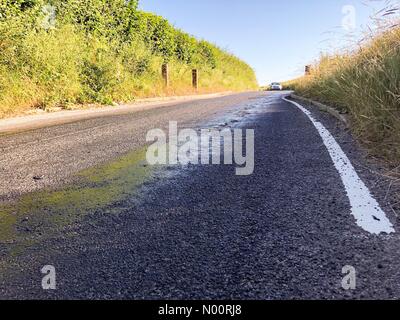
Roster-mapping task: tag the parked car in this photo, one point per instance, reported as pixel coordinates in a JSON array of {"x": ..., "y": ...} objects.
[{"x": 276, "y": 86}]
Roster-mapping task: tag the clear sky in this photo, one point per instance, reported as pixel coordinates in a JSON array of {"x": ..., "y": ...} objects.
[{"x": 276, "y": 37}]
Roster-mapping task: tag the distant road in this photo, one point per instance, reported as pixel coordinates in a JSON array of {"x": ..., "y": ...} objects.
[{"x": 202, "y": 232}]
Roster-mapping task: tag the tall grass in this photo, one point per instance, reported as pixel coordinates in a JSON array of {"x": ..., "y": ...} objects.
[
  {"x": 364, "y": 83},
  {"x": 102, "y": 51}
]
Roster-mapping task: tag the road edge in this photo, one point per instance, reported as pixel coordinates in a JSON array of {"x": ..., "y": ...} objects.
[
  {"x": 364, "y": 206},
  {"x": 59, "y": 117},
  {"x": 341, "y": 117}
]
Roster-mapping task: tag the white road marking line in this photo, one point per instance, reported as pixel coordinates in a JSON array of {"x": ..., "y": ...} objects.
[{"x": 366, "y": 210}]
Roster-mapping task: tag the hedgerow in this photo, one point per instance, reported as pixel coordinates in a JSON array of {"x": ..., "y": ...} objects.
[{"x": 60, "y": 52}]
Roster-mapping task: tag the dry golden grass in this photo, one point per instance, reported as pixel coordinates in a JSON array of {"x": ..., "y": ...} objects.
[{"x": 364, "y": 83}]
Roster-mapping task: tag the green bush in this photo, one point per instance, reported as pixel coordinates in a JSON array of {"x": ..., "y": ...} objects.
[
  {"x": 100, "y": 51},
  {"x": 185, "y": 47}
]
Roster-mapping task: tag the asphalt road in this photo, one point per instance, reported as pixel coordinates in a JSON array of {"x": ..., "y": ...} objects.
[
  {"x": 202, "y": 232},
  {"x": 55, "y": 152}
]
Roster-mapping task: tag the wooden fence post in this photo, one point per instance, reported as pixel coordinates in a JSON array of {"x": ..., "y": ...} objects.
[
  {"x": 195, "y": 79},
  {"x": 165, "y": 74}
]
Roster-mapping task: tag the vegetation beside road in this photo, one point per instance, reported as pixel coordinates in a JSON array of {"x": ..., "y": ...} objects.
[
  {"x": 60, "y": 52},
  {"x": 364, "y": 83}
]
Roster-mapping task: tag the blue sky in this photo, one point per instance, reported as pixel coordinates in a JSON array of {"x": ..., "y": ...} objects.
[{"x": 277, "y": 38}]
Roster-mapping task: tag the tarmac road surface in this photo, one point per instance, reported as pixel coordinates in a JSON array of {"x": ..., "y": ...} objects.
[{"x": 198, "y": 231}]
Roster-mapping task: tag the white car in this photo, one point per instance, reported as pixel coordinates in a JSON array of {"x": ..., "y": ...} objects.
[{"x": 276, "y": 86}]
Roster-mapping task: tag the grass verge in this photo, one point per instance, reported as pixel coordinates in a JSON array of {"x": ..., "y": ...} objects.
[{"x": 365, "y": 84}]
